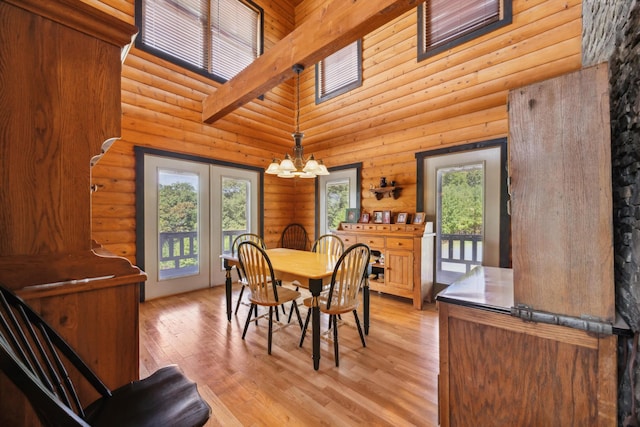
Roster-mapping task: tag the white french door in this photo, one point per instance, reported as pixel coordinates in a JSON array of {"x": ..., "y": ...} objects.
[
  {"x": 462, "y": 193},
  {"x": 193, "y": 210},
  {"x": 234, "y": 193}
]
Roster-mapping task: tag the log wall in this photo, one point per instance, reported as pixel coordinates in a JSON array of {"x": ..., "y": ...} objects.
[{"x": 402, "y": 108}]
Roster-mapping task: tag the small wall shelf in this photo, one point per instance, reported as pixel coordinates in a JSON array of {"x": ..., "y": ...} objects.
[{"x": 380, "y": 192}]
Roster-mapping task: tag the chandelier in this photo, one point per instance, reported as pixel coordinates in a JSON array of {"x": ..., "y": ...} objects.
[{"x": 297, "y": 166}]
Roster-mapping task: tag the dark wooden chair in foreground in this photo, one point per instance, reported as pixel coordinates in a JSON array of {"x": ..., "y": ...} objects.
[
  {"x": 294, "y": 236},
  {"x": 342, "y": 295},
  {"x": 265, "y": 289},
  {"x": 48, "y": 371}
]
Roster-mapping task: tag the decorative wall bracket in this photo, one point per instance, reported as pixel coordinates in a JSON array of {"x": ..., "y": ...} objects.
[{"x": 380, "y": 192}]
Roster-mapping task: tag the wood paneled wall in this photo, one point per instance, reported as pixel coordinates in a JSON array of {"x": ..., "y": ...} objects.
[
  {"x": 456, "y": 97},
  {"x": 402, "y": 108}
]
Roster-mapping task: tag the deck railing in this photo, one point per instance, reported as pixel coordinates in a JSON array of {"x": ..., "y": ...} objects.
[
  {"x": 457, "y": 254},
  {"x": 176, "y": 247}
]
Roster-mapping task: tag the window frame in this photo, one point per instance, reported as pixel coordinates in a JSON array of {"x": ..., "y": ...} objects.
[
  {"x": 342, "y": 89},
  {"x": 425, "y": 52},
  {"x": 354, "y": 170},
  {"x": 139, "y": 43}
]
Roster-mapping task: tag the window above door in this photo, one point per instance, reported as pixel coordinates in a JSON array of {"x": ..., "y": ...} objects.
[
  {"x": 214, "y": 38},
  {"x": 443, "y": 24}
]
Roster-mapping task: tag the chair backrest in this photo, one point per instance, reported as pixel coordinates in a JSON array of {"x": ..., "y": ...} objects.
[
  {"x": 294, "y": 236},
  {"x": 328, "y": 244},
  {"x": 40, "y": 362},
  {"x": 246, "y": 237},
  {"x": 348, "y": 276},
  {"x": 258, "y": 271}
]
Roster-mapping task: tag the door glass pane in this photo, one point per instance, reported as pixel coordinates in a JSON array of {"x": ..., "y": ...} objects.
[
  {"x": 337, "y": 199},
  {"x": 235, "y": 210},
  {"x": 178, "y": 223},
  {"x": 460, "y": 214}
]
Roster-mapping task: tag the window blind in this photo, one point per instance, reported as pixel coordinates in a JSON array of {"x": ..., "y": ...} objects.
[
  {"x": 339, "y": 70},
  {"x": 235, "y": 28},
  {"x": 446, "y": 20},
  {"x": 220, "y": 37}
]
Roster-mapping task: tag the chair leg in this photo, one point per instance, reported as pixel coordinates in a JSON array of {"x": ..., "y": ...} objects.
[
  {"x": 355, "y": 314},
  {"x": 295, "y": 307},
  {"x": 335, "y": 339},
  {"x": 239, "y": 300},
  {"x": 270, "y": 326},
  {"x": 246, "y": 324},
  {"x": 304, "y": 330},
  {"x": 291, "y": 311}
]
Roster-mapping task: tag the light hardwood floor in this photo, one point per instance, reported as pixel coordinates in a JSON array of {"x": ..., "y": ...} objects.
[{"x": 391, "y": 382}]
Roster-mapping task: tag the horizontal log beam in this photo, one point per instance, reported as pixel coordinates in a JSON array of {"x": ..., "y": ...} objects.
[{"x": 329, "y": 29}]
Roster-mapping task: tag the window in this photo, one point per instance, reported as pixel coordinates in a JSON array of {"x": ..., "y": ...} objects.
[
  {"x": 443, "y": 24},
  {"x": 336, "y": 193},
  {"x": 339, "y": 72},
  {"x": 463, "y": 189},
  {"x": 215, "y": 38}
]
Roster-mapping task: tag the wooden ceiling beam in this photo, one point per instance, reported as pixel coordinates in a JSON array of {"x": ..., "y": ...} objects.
[{"x": 327, "y": 30}]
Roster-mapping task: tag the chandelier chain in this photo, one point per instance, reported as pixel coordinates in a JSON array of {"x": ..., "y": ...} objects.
[{"x": 298, "y": 102}]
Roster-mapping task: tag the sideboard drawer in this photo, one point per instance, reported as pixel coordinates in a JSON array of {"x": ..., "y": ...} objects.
[
  {"x": 348, "y": 240},
  {"x": 374, "y": 242},
  {"x": 399, "y": 243}
]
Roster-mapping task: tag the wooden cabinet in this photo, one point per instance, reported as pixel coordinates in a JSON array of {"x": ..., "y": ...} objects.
[
  {"x": 60, "y": 80},
  {"x": 561, "y": 198},
  {"x": 407, "y": 270},
  {"x": 551, "y": 366},
  {"x": 399, "y": 270},
  {"x": 497, "y": 370}
]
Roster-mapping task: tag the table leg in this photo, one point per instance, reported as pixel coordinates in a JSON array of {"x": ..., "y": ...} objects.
[
  {"x": 315, "y": 286},
  {"x": 227, "y": 286}
]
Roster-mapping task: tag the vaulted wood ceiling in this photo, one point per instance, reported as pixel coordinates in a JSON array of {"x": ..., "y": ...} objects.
[{"x": 327, "y": 30}]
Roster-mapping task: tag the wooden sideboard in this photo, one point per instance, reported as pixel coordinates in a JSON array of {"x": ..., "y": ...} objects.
[
  {"x": 408, "y": 257},
  {"x": 60, "y": 109},
  {"x": 498, "y": 370}
]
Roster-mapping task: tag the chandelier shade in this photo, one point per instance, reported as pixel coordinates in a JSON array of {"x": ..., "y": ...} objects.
[{"x": 297, "y": 166}]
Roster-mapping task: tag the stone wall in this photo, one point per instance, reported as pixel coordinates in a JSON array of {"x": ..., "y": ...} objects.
[
  {"x": 611, "y": 32},
  {"x": 603, "y": 21}
]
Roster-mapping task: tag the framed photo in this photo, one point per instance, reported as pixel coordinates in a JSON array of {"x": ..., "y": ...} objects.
[
  {"x": 364, "y": 218},
  {"x": 352, "y": 215},
  {"x": 377, "y": 217},
  {"x": 402, "y": 218},
  {"x": 386, "y": 217},
  {"x": 419, "y": 218}
]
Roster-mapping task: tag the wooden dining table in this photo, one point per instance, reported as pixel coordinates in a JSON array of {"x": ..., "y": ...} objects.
[{"x": 311, "y": 270}]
